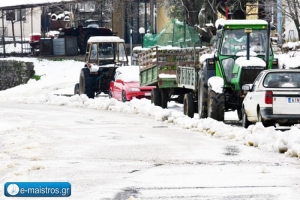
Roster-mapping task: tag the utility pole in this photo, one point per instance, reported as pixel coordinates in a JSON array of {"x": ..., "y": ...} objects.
[{"x": 279, "y": 21}]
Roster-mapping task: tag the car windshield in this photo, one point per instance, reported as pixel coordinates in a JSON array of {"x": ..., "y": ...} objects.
[
  {"x": 282, "y": 80},
  {"x": 236, "y": 40}
]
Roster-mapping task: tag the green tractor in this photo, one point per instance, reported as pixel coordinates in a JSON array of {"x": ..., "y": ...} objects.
[{"x": 242, "y": 51}]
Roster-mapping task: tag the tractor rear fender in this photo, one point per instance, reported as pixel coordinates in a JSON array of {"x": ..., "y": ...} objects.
[{"x": 209, "y": 69}]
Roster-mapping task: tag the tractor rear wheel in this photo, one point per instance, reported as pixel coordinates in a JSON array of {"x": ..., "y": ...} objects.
[
  {"x": 188, "y": 105},
  {"x": 86, "y": 83},
  {"x": 202, "y": 98},
  {"x": 215, "y": 105},
  {"x": 82, "y": 40}
]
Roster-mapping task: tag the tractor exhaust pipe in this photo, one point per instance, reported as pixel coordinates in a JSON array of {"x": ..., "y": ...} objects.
[
  {"x": 248, "y": 31},
  {"x": 268, "y": 45}
]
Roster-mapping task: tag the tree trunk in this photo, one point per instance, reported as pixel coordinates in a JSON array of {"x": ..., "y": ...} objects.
[
  {"x": 13, "y": 32},
  {"x": 192, "y": 9}
]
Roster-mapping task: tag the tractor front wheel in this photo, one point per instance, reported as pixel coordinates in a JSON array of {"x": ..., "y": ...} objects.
[{"x": 215, "y": 105}]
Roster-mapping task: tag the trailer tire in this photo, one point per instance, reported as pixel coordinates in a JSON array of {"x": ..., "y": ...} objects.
[
  {"x": 188, "y": 105},
  {"x": 76, "y": 89},
  {"x": 215, "y": 105},
  {"x": 164, "y": 98},
  {"x": 202, "y": 97},
  {"x": 86, "y": 83},
  {"x": 155, "y": 97}
]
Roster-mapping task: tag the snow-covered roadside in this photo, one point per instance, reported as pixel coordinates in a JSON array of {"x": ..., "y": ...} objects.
[{"x": 62, "y": 75}]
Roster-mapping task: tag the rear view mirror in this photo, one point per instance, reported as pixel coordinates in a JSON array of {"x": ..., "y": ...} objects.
[{"x": 246, "y": 87}]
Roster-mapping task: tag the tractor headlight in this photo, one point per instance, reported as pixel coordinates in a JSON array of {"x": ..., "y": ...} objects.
[{"x": 134, "y": 89}]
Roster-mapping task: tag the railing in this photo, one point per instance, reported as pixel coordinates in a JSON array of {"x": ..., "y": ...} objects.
[
  {"x": 17, "y": 46},
  {"x": 173, "y": 57}
]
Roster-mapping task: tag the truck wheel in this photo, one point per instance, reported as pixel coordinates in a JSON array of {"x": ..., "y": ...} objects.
[
  {"x": 188, "y": 105},
  {"x": 155, "y": 97},
  {"x": 245, "y": 121},
  {"x": 124, "y": 99},
  {"x": 76, "y": 89},
  {"x": 164, "y": 98},
  {"x": 202, "y": 98},
  {"x": 86, "y": 83},
  {"x": 215, "y": 105}
]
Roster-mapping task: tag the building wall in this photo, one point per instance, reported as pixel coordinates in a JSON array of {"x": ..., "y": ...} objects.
[
  {"x": 30, "y": 25},
  {"x": 252, "y": 11},
  {"x": 118, "y": 21},
  {"x": 162, "y": 19}
]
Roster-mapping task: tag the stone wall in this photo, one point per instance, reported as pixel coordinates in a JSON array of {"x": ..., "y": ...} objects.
[{"x": 13, "y": 73}]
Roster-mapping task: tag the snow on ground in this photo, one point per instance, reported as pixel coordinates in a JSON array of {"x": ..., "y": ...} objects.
[{"x": 59, "y": 77}]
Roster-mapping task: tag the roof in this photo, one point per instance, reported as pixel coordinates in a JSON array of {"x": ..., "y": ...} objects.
[
  {"x": 96, "y": 39},
  {"x": 245, "y": 22},
  {"x": 13, "y": 4}
]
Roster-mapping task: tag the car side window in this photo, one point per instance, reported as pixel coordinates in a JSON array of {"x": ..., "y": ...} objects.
[{"x": 256, "y": 81}]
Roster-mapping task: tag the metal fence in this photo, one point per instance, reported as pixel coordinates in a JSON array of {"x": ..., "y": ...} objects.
[{"x": 16, "y": 46}]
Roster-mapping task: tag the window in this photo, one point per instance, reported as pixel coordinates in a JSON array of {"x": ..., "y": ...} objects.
[
  {"x": 122, "y": 53},
  {"x": 282, "y": 80},
  {"x": 10, "y": 15},
  {"x": 255, "y": 83},
  {"x": 235, "y": 41},
  {"x": 22, "y": 16},
  {"x": 14, "y": 15}
]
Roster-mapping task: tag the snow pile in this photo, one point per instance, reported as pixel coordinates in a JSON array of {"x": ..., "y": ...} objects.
[{"x": 62, "y": 76}]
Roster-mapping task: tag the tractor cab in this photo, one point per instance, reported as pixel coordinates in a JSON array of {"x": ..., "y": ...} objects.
[
  {"x": 104, "y": 54},
  {"x": 242, "y": 51}
]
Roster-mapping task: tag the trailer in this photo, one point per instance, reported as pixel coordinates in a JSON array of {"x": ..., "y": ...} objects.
[{"x": 163, "y": 68}]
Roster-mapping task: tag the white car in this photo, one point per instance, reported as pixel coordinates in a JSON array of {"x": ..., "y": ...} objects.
[{"x": 274, "y": 97}]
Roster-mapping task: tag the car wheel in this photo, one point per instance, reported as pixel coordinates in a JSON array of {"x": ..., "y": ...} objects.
[
  {"x": 124, "y": 99},
  {"x": 240, "y": 114},
  {"x": 110, "y": 94},
  {"x": 245, "y": 121},
  {"x": 76, "y": 89},
  {"x": 260, "y": 119}
]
